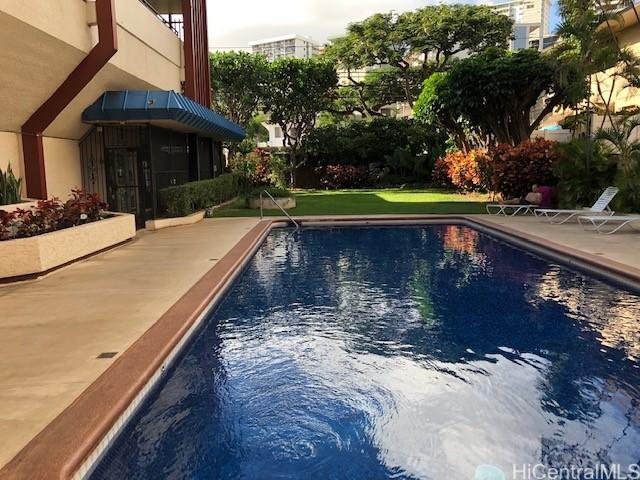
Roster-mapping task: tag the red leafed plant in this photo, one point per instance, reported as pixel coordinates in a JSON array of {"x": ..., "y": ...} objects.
[
  {"x": 6, "y": 224},
  {"x": 516, "y": 169},
  {"x": 465, "y": 171},
  {"x": 50, "y": 215},
  {"x": 83, "y": 207},
  {"x": 343, "y": 176}
]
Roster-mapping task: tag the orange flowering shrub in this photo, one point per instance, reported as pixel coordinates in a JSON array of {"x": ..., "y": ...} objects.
[
  {"x": 516, "y": 169},
  {"x": 465, "y": 171}
]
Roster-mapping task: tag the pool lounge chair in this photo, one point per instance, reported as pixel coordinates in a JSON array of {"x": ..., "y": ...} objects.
[
  {"x": 601, "y": 207},
  {"x": 510, "y": 210},
  {"x": 610, "y": 224}
]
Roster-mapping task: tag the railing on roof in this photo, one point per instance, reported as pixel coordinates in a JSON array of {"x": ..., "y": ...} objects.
[{"x": 174, "y": 22}]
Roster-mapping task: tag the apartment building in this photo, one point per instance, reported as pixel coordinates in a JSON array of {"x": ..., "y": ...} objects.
[
  {"x": 287, "y": 46},
  {"x": 532, "y": 19},
  {"x": 109, "y": 95}
]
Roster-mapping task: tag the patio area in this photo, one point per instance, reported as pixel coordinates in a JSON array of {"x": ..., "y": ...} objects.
[{"x": 53, "y": 330}]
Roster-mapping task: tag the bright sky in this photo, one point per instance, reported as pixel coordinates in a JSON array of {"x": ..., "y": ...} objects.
[{"x": 234, "y": 23}]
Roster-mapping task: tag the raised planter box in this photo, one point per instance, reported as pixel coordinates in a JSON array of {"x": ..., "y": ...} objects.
[
  {"x": 267, "y": 203},
  {"x": 160, "y": 223},
  {"x": 25, "y": 205},
  {"x": 33, "y": 255}
]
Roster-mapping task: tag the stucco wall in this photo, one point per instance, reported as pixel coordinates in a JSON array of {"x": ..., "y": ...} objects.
[{"x": 62, "y": 166}]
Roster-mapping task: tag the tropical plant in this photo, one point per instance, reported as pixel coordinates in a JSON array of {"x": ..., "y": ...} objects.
[
  {"x": 52, "y": 214},
  {"x": 514, "y": 169},
  {"x": 299, "y": 89},
  {"x": 623, "y": 147},
  {"x": 10, "y": 187},
  {"x": 583, "y": 169},
  {"x": 464, "y": 170}
]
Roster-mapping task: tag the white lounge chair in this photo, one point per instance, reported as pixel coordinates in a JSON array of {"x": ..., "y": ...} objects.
[
  {"x": 510, "y": 210},
  {"x": 613, "y": 222},
  {"x": 601, "y": 207}
]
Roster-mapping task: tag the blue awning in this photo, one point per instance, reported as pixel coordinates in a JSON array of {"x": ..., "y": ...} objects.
[{"x": 166, "y": 109}]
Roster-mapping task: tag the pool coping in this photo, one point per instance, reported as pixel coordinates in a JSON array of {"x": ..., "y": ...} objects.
[{"x": 75, "y": 440}]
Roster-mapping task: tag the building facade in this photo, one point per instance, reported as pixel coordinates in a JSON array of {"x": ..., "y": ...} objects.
[
  {"x": 108, "y": 95},
  {"x": 287, "y": 46},
  {"x": 532, "y": 20}
]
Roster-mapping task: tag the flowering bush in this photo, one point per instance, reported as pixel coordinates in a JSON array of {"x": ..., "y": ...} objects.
[
  {"x": 466, "y": 171},
  {"x": 343, "y": 176},
  {"x": 50, "y": 215},
  {"x": 515, "y": 169},
  {"x": 254, "y": 169}
]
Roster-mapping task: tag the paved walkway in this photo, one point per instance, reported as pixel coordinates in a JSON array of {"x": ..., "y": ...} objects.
[
  {"x": 621, "y": 247},
  {"x": 52, "y": 330}
]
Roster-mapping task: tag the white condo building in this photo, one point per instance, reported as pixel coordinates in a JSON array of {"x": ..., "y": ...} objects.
[
  {"x": 531, "y": 21},
  {"x": 287, "y": 46}
]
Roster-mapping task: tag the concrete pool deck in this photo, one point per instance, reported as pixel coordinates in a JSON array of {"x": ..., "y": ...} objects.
[{"x": 52, "y": 330}]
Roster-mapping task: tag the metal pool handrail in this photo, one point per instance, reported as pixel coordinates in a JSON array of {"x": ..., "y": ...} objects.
[{"x": 277, "y": 205}]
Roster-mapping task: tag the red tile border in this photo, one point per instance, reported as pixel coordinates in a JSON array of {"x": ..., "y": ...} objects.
[{"x": 59, "y": 450}]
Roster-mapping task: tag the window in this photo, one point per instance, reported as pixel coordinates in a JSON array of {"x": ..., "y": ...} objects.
[{"x": 278, "y": 132}]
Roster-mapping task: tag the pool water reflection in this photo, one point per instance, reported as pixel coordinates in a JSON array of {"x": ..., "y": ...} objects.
[{"x": 418, "y": 352}]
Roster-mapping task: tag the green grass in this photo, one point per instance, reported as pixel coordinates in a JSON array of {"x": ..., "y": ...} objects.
[{"x": 369, "y": 202}]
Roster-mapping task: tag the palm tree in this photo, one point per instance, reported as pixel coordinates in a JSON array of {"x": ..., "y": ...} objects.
[{"x": 624, "y": 148}]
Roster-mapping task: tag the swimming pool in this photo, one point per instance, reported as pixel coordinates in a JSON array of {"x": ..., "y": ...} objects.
[{"x": 415, "y": 352}]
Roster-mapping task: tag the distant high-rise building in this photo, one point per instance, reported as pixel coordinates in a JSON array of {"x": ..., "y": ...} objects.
[
  {"x": 287, "y": 46},
  {"x": 612, "y": 5},
  {"x": 531, "y": 21}
]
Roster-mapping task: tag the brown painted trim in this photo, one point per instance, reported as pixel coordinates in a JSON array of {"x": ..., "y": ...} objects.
[
  {"x": 84, "y": 72},
  {"x": 60, "y": 449},
  {"x": 196, "y": 52}
]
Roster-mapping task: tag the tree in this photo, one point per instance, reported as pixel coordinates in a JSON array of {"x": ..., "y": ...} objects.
[
  {"x": 407, "y": 48},
  {"x": 299, "y": 89},
  {"x": 591, "y": 45},
  {"x": 494, "y": 92},
  {"x": 238, "y": 80}
]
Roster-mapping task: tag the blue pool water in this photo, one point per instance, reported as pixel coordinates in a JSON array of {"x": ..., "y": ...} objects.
[{"x": 427, "y": 352}]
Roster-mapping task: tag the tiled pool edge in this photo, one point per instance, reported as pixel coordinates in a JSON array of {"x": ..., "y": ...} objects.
[{"x": 75, "y": 440}]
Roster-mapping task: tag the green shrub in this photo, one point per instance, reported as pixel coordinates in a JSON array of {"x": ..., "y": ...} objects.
[
  {"x": 185, "y": 199},
  {"x": 177, "y": 201},
  {"x": 397, "y": 146}
]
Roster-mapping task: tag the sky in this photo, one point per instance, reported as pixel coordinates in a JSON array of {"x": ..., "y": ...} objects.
[{"x": 234, "y": 23}]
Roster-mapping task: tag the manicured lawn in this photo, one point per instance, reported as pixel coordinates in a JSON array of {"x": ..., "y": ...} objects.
[{"x": 368, "y": 202}]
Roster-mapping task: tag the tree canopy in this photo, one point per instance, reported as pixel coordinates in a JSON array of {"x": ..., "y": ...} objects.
[
  {"x": 299, "y": 89},
  {"x": 238, "y": 81},
  {"x": 494, "y": 92},
  {"x": 408, "y": 47}
]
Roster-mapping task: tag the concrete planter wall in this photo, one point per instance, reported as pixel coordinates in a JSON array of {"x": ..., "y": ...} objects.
[
  {"x": 267, "y": 203},
  {"x": 160, "y": 223},
  {"x": 33, "y": 255},
  {"x": 25, "y": 205}
]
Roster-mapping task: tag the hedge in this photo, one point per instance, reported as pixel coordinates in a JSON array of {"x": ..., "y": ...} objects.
[{"x": 187, "y": 198}]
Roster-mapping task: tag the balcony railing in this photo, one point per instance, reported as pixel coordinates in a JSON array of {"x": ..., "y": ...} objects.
[{"x": 174, "y": 22}]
